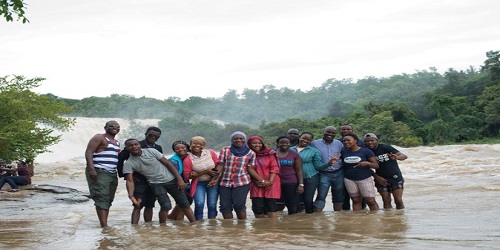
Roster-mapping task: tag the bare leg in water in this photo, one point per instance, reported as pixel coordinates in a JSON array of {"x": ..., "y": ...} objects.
[
  {"x": 176, "y": 214},
  {"x": 102, "y": 214},
  {"x": 163, "y": 214},
  {"x": 148, "y": 214},
  {"x": 241, "y": 215},
  {"x": 272, "y": 214},
  {"x": 371, "y": 202},
  {"x": 227, "y": 215},
  {"x": 189, "y": 214}
]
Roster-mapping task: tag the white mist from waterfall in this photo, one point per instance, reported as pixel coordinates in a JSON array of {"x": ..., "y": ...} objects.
[{"x": 67, "y": 156}]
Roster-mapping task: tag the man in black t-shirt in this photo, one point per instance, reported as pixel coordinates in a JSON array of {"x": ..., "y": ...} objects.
[{"x": 388, "y": 177}]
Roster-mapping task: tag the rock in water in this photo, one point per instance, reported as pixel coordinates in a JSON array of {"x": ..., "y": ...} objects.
[{"x": 64, "y": 193}]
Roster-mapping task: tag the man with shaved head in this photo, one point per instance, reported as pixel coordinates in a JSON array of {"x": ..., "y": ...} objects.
[
  {"x": 293, "y": 134},
  {"x": 101, "y": 171},
  {"x": 332, "y": 176}
]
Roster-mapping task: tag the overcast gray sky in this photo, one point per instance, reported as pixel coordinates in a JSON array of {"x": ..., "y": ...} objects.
[{"x": 183, "y": 48}]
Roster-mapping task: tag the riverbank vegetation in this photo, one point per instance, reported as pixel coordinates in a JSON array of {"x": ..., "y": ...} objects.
[
  {"x": 28, "y": 119},
  {"x": 422, "y": 108}
]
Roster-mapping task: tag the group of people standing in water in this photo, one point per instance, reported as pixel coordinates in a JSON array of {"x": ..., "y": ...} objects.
[{"x": 297, "y": 174}]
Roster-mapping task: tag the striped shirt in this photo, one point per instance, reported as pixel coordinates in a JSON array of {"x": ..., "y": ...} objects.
[
  {"x": 311, "y": 161},
  {"x": 107, "y": 159},
  {"x": 235, "y": 173}
]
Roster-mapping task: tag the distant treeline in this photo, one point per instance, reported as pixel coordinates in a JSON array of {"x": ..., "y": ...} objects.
[{"x": 422, "y": 108}]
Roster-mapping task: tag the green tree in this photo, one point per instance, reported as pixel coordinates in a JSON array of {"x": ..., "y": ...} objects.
[
  {"x": 489, "y": 101},
  {"x": 12, "y": 8},
  {"x": 467, "y": 127},
  {"x": 447, "y": 107},
  {"x": 492, "y": 65},
  {"x": 174, "y": 129},
  {"x": 388, "y": 130},
  {"x": 440, "y": 132},
  {"x": 28, "y": 119}
]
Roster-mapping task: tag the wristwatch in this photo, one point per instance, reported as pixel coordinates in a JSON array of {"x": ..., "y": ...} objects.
[{"x": 301, "y": 185}]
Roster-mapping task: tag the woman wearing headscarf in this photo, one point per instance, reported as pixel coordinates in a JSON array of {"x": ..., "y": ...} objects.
[
  {"x": 234, "y": 184},
  {"x": 199, "y": 166},
  {"x": 265, "y": 188}
]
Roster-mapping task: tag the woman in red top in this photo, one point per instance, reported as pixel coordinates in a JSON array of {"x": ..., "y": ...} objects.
[{"x": 265, "y": 188}]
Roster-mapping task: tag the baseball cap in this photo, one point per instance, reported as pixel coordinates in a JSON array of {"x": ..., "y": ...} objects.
[{"x": 370, "y": 136}]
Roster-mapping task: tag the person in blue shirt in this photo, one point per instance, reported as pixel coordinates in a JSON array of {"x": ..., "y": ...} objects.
[{"x": 333, "y": 176}]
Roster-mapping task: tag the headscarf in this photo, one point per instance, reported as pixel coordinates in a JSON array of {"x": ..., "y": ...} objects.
[
  {"x": 264, "y": 150},
  {"x": 239, "y": 151}
]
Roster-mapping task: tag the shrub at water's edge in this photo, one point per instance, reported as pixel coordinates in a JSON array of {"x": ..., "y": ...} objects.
[{"x": 28, "y": 119}]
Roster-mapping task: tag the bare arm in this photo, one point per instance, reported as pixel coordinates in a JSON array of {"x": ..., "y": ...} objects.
[
  {"x": 373, "y": 163},
  {"x": 92, "y": 147},
  {"x": 300, "y": 177},
  {"x": 215, "y": 178},
  {"x": 271, "y": 179},
  {"x": 254, "y": 174},
  {"x": 130, "y": 189},
  {"x": 397, "y": 156},
  {"x": 259, "y": 180},
  {"x": 195, "y": 174},
  {"x": 379, "y": 179},
  {"x": 13, "y": 169}
]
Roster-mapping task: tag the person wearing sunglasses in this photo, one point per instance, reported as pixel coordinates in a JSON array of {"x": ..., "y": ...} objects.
[{"x": 142, "y": 189}]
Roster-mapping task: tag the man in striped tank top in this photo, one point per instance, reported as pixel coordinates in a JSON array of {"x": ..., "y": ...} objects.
[{"x": 102, "y": 159}]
